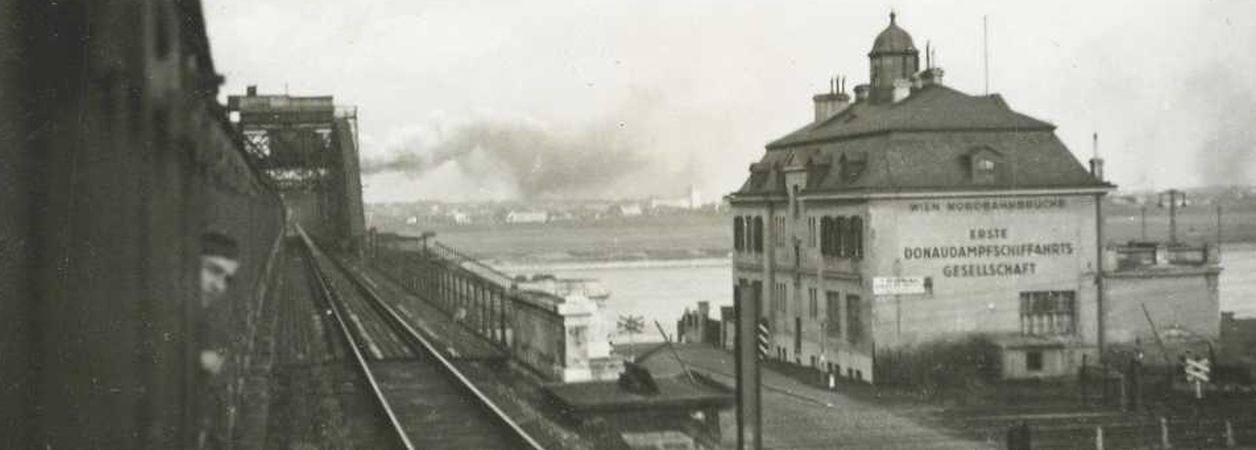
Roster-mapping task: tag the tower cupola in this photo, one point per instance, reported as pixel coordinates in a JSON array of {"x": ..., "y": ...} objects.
[{"x": 893, "y": 57}]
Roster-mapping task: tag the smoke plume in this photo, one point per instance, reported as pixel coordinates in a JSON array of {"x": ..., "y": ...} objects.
[{"x": 535, "y": 160}]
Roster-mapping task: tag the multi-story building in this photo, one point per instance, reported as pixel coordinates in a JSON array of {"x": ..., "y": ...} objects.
[{"x": 917, "y": 213}]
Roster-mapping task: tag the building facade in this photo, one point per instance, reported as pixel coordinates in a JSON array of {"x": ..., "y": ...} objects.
[{"x": 918, "y": 213}]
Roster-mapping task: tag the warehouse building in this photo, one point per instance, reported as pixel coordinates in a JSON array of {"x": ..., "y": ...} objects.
[{"x": 915, "y": 212}]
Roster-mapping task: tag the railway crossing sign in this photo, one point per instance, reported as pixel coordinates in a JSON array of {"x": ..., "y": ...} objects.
[
  {"x": 1197, "y": 371},
  {"x": 763, "y": 338}
]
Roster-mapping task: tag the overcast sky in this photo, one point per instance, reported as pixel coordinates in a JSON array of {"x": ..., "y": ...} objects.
[{"x": 494, "y": 100}]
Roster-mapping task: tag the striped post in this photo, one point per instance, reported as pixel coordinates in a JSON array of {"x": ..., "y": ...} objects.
[
  {"x": 1229, "y": 435},
  {"x": 1164, "y": 433}
]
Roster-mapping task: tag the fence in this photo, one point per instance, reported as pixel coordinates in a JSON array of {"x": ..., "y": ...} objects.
[{"x": 526, "y": 325}]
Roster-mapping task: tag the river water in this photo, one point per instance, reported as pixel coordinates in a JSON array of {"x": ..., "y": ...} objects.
[{"x": 662, "y": 290}]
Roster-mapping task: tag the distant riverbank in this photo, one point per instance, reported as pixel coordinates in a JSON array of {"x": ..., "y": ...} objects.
[
  {"x": 561, "y": 244},
  {"x": 651, "y": 239}
]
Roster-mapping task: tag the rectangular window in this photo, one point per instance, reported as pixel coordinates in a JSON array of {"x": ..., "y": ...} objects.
[
  {"x": 812, "y": 307},
  {"x": 1048, "y": 312},
  {"x": 780, "y": 231},
  {"x": 776, "y": 231},
  {"x": 756, "y": 291},
  {"x": 811, "y": 232},
  {"x": 1033, "y": 361},
  {"x": 779, "y": 299},
  {"x": 854, "y": 324},
  {"x": 833, "y": 313},
  {"x": 855, "y": 248}
]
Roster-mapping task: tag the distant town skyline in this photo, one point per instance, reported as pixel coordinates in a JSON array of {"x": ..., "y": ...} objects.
[{"x": 496, "y": 100}]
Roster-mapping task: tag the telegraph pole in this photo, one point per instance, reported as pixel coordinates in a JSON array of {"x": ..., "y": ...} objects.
[
  {"x": 1174, "y": 196},
  {"x": 985, "y": 52},
  {"x": 1096, "y": 170}
]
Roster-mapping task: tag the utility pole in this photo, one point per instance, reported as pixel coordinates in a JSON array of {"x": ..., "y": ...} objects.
[
  {"x": 1174, "y": 197},
  {"x": 985, "y": 51},
  {"x": 1096, "y": 170}
]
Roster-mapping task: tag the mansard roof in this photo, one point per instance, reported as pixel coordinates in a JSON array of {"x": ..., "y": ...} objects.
[
  {"x": 932, "y": 108},
  {"x": 922, "y": 143}
]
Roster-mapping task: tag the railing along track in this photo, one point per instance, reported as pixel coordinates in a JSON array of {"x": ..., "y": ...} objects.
[{"x": 420, "y": 345}]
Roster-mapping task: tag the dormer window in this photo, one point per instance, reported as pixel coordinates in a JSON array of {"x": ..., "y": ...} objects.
[
  {"x": 793, "y": 200},
  {"x": 984, "y": 172},
  {"x": 985, "y": 165},
  {"x": 853, "y": 167}
]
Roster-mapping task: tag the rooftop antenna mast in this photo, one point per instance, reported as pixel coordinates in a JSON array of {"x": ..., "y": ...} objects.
[{"x": 985, "y": 51}]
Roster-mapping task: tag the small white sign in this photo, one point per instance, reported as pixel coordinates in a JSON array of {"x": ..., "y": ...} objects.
[{"x": 898, "y": 285}]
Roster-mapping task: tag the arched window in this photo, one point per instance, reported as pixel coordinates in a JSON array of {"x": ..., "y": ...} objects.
[
  {"x": 856, "y": 238},
  {"x": 840, "y": 237},
  {"x": 825, "y": 240},
  {"x": 985, "y": 165},
  {"x": 758, "y": 234}
]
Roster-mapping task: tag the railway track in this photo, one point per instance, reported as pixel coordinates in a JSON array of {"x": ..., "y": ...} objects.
[{"x": 427, "y": 402}]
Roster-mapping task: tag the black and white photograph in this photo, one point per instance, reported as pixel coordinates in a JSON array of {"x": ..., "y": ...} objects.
[{"x": 627, "y": 225}]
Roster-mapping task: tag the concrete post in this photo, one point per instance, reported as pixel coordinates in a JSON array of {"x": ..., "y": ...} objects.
[
  {"x": 1229, "y": 435},
  {"x": 481, "y": 325},
  {"x": 1099, "y": 438},
  {"x": 505, "y": 318},
  {"x": 490, "y": 299}
]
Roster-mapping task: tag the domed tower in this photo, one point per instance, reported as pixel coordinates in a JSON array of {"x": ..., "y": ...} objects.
[{"x": 893, "y": 57}]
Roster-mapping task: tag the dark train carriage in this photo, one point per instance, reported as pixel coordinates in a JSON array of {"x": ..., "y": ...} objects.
[{"x": 115, "y": 157}]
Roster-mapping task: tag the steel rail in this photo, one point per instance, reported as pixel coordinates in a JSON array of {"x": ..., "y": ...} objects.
[
  {"x": 330, "y": 297},
  {"x": 424, "y": 346}
]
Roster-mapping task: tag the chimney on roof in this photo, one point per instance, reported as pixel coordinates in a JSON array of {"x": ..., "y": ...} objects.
[
  {"x": 861, "y": 93},
  {"x": 902, "y": 88},
  {"x": 932, "y": 76},
  {"x": 831, "y": 103},
  {"x": 1096, "y": 163},
  {"x": 251, "y": 91}
]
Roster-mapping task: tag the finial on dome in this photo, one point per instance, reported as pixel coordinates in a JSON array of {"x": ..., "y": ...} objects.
[{"x": 893, "y": 15}]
